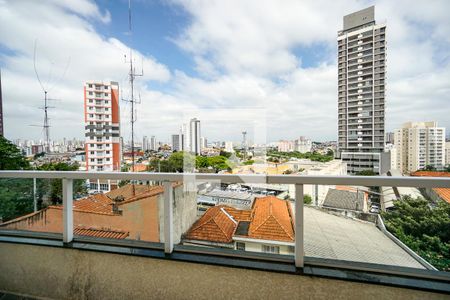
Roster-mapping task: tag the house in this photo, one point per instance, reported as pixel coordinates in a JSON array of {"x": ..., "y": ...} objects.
[
  {"x": 435, "y": 193},
  {"x": 346, "y": 199},
  {"x": 129, "y": 212},
  {"x": 267, "y": 227}
]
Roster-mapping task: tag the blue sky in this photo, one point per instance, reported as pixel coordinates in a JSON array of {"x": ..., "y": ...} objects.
[{"x": 247, "y": 61}]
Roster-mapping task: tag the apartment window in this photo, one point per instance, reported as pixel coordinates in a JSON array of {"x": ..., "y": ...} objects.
[
  {"x": 90, "y": 93},
  {"x": 107, "y": 159},
  {"x": 92, "y": 152},
  {"x": 106, "y": 101},
  {"x": 92, "y": 145},
  {"x": 90, "y": 85},
  {"x": 106, "y": 109},
  {"x": 240, "y": 246},
  {"x": 106, "y": 94},
  {"x": 92, "y": 167},
  {"x": 92, "y": 160},
  {"x": 90, "y": 101},
  {"x": 103, "y": 186},
  {"x": 91, "y": 115},
  {"x": 270, "y": 249},
  {"x": 107, "y": 152},
  {"x": 106, "y": 87}
]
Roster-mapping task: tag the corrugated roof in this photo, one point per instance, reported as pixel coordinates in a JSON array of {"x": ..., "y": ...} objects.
[{"x": 344, "y": 199}]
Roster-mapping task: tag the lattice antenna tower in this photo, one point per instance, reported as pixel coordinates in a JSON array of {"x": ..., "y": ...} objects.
[
  {"x": 132, "y": 76},
  {"x": 45, "y": 88}
]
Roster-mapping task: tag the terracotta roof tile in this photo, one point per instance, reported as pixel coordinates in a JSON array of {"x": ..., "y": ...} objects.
[
  {"x": 216, "y": 225},
  {"x": 443, "y": 193},
  {"x": 126, "y": 191},
  {"x": 271, "y": 220},
  {"x": 98, "y": 203},
  {"x": 101, "y": 233}
]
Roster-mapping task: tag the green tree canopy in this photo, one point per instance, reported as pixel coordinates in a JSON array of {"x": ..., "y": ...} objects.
[
  {"x": 11, "y": 158},
  {"x": 424, "y": 227}
]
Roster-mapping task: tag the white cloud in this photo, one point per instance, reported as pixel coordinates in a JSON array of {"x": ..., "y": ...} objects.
[
  {"x": 63, "y": 36},
  {"x": 248, "y": 54}
]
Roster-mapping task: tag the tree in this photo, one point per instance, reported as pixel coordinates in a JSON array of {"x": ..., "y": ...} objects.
[
  {"x": 52, "y": 188},
  {"x": 366, "y": 173},
  {"x": 307, "y": 199},
  {"x": 15, "y": 194},
  {"x": 11, "y": 158},
  {"x": 225, "y": 153},
  {"x": 422, "y": 227},
  {"x": 429, "y": 168},
  {"x": 248, "y": 162}
]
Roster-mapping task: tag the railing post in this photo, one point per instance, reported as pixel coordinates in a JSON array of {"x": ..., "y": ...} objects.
[
  {"x": 168, "y": 217},
  {"x": 299, "y": 227},
  {"x": 67, "y": 191}
]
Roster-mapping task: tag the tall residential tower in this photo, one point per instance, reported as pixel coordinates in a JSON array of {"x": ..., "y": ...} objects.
[
  {"x": 102, "y": 129},
  {"x": 361, "y": 92}
]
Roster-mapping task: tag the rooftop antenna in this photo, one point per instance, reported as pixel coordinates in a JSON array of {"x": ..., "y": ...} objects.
[
  {"x": 46, "y": 126},
  {"x": 132, "y": 75},
  {"x": 244, "y": 143}
]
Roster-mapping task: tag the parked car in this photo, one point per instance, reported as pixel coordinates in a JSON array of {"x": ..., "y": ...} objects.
[{"x": 374, "y": 209}]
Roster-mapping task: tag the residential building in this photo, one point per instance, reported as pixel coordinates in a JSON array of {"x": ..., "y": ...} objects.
[
  {"x": 389, "y": 138},
  {"x": 195, "y": 133},
  {"x": 268, "y": 227},
  {"x": 177, "y": 142},
  {"x": 437, "y": 194},
  {"x": 229, "y": 147},
  {"x": 361, "y": 91},
  {"x": 1, "y": 107},
  {"x": 447, "y": 153},
  {"x": 102, "y": 130},
  {"x": 286, "y": 146},
  {"x": 420, "y": 144},
  {"x": 203, "y": 142},
  {"x": 145, "y": 144},
  {"x": 153, "y": 145},
  {"x": 303, "y": 145},
  {"x": 346, "y": 198},
  {"x": 129, "y": 212}
]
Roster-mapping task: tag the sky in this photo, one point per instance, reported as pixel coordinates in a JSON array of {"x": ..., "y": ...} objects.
[{"x": 265, "y": 67}]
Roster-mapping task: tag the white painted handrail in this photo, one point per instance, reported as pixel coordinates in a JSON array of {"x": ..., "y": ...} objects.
[{"x": 167, "y": 178}]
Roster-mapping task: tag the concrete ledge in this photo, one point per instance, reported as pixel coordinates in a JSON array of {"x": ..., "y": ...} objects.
[{"x": 63, "y": 273}]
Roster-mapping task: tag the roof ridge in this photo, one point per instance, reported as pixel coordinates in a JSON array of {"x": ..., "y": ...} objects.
[{"x": 214, "y": 220}]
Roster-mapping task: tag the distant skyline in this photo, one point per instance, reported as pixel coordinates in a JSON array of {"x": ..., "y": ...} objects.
[{"x": 214, "y": 55}]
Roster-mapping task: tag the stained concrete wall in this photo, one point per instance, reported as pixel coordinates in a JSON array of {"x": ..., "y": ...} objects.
[{"x": 60, "y": 273}]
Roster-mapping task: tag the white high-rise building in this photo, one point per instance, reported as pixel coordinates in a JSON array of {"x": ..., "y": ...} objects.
[
  {"x": 102, "y": 130},
  {"x": 447, "y": 153},
  {"x": 177, "y": 142},
  {"x": 195, "y": 133},
  {"x": 361, "y": 92},
  {"x": 153, "y": 145},
  {"x": 303, "y": 145},
  {"x": 145, "y": 144},
  {"x": 229, "y": 147},
  {"x": 420, "y": 144}
]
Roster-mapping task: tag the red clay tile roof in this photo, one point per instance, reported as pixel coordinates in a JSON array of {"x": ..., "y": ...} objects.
[
  {"x": 98, "y": 203},
  {"x": 271, "y": 220},
  {"x": 443, "y": 193},
  {"x": 126, "y": 191},
  {"x": 216, "y": 225},
  {"x": 101, "y": 233}
]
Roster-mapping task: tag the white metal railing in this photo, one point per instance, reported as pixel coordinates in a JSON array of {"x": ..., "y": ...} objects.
[{"x": 167, "y": 179}]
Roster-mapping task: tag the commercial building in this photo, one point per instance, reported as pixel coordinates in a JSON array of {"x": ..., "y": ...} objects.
[
  {"x": 229, "y": 147},
  {"x": 361, "y": 91},
  {"x": 102, "y": 130},
  {"x": 420, "y": 144}
]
